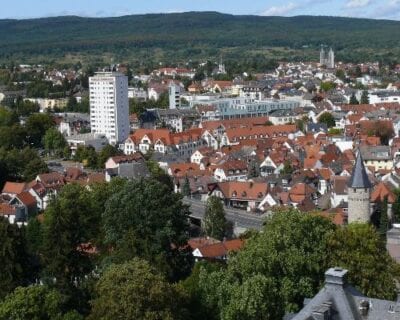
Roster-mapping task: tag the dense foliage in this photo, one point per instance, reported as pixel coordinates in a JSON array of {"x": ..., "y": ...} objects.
[
  {"x": 192, "y": 35},
  {"x": 286, "y": 262},
  {"x": 136, "y": 290},
  {"x": 155, "y": 230}
]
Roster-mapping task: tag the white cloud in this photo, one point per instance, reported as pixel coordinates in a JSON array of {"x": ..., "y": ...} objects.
[
  {"x": 280, "y": 10},
  {"x": 387, "y": 10},
  {"x": 357, "y": 3}
]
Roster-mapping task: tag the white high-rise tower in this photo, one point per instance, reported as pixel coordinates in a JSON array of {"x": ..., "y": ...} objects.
[{"x": 109, "y": 106}]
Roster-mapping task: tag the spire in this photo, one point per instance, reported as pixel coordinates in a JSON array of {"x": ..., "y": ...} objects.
[{"x": 359, "y": 177}]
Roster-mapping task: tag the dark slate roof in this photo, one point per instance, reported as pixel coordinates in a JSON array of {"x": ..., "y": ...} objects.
[
  {"x": 359, "y": 177},
  {"x": 339, "y": 301}
]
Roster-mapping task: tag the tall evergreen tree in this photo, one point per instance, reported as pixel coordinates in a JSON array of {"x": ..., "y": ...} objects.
[
  {"x": 214, "y": 219},
  {"x": 70, "y": 221},
  {"x": 364, "y": 97},
  {"x": 13, "y": 257},
  {"x": 353, "y": 99},
  {"x": 186, "y": 187},
  {"x": 383, "y": 219}
]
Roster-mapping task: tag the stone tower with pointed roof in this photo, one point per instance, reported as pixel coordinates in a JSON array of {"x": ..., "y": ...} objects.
[{"x": 359, "y": 190}]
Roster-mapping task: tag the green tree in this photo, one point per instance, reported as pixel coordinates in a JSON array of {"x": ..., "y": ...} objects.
[
  {"x": 7, "y": 118},
  {"x": 54, "y": 142},
  {"x": 13, "y": 136},
  {"x": 396, "y": 207},
  {"x": 186, "y": 187},
  {"x": 327, "y": 86},
  {"x": 69, "y": 221},
  {"x": 328, "y": 119},
  {"x": 214, "y": 223},
  {"x": 197, "y": 305},
  {"x": 88, "y": 156},
  {"x": 36, "y": 126},
  {"x": 155, "y": 230},
  {"x": 20, "y": 165},
  {"x": 25, "y": 107},
  {"x": 12, "y": 257},
  {"x": 353, "y": 99},
  {"x": 360, "y": 249},
  {"x": 364, "y": 97},
  {"x": 254, "y": 169},
  {"x": 34, "y": 303},
  {"x": 384, "y": 131},
  {"x": 277, "y": 268},
  {"x": 335, "y": 131},
  {"x": 384, "y": 224},
  {"x": 107, "y": 152},
  {"x": 341, "y": 74},
  {"x": 159, "y": 174},
  {"x": 287, "y": 168},
  {"x": 135, "y": 290}
]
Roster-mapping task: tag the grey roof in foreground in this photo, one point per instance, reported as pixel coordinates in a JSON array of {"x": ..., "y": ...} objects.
[
  {"x": 359, "y": 177},
  {"x": 339, "y": 301}
]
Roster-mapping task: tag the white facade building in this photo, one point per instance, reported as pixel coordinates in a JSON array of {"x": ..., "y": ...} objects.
[
  {"x": 174, "y": 93},
  {"x": 109, "y": 107}
]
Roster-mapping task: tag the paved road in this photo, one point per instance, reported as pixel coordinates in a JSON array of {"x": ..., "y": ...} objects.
[{"x": 240, "y": 218}]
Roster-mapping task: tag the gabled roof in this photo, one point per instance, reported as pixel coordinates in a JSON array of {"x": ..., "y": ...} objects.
[
  {"x": 135, "y": 157},
  {"x": 221, "y": 249},
  {"x": 382, "y": 191},
  {"x": 6, "y": 209},
  {"x": 27, "y": 199},
  {"x": 14, "y": 187},
  {"x": 52, "y": 179},
  {"x": 244, "y": 190},
  {"x": 359, "y": 177}
]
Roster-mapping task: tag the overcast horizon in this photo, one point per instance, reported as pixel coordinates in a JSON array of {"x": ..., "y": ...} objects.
[{"x": 375, "y": 9}]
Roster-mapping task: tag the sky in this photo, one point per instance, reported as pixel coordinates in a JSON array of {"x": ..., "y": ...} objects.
[{"x": 377, "y": 9}]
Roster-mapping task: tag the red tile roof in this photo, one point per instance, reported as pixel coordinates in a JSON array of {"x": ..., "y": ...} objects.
[
  {"x": 27, "y": 199},
  {"x": 245, "y": 190},
  {"x": 221, "y": 249},
  {"x": 14, "y": 187},
  {"x": 6, "y": 209},
  {"x": 382, "y": 191}
]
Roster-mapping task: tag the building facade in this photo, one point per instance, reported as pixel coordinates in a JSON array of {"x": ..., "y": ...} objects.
[
  {"x": 231, "y": 108},
  {"x": 109, "y": 107},
  {"x": 174, "y": 93}
]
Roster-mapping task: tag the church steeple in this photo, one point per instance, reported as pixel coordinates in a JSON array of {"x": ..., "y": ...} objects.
[{"x": 359, "y": 177}]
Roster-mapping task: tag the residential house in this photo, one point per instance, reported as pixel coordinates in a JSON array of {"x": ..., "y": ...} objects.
[
  {"x": 378, "y": 157},
  {"x": 231, "y": 170},
  {"x": 45, "y": 187},
  {"x": 245, "y": 195},
  {"x": 339, "y": 193},
  {"x": 217, "y": 250}
]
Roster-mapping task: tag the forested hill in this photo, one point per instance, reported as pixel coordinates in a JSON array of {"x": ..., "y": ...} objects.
[{"x": 192, "y": 33}]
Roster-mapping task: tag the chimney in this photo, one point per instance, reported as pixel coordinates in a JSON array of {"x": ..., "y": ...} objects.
[
  {"x": 323, "y": 312},
  {"x": 335, "y": 277},
  {"x": 364, "y": 307}
]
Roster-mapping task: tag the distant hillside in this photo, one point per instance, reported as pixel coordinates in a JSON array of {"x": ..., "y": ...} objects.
[{"x": 183, "y": 35}]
